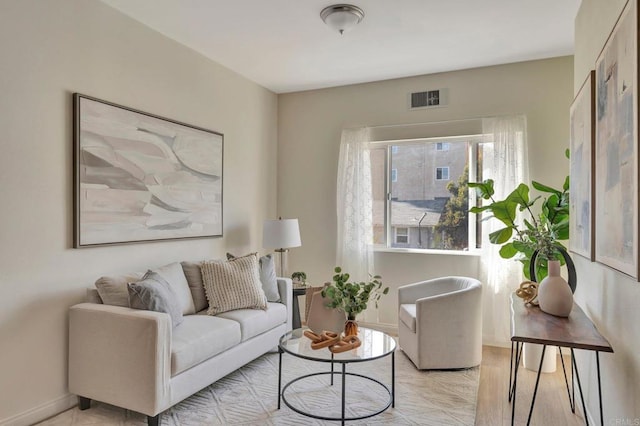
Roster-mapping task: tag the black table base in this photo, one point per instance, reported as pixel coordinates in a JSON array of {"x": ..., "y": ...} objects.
[
  {"x": 343, "y": 374},
  {"x": 516, "y": 357}
]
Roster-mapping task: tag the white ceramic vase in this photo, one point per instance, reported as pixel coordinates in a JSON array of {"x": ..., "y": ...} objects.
[{"x": 554, "y": 293}]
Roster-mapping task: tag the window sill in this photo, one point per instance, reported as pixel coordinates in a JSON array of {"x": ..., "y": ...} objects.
[{"x": 474, "y": 253}]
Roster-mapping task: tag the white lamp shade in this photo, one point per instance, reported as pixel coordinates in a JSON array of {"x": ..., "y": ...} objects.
[{"x": 283, "y": 233}]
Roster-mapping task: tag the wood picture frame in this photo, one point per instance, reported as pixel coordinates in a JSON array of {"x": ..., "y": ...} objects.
[
  {"x": 582, "y": 146},
  {"x": 616, "y": 153},
  {"x": 139, "y": 177}
]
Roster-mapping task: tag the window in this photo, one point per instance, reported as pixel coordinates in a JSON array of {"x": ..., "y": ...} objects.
[
  {"x": 402, "y": 235},
  {"x": 442, "y": 146},
  {"x": 429, "y": 207},
  {"x": 442, "y": 173}
]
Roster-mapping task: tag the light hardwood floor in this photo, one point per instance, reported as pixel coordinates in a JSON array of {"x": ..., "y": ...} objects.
[{"x": 552, "y": 402}]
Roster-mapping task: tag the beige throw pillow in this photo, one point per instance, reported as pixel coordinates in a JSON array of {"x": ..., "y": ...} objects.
[
  {"x": 113, "y": 289},
  {"x": 194, "y": 278},
  {"x": 267, "y": 277},
  {"x": 234, "y": 284}
]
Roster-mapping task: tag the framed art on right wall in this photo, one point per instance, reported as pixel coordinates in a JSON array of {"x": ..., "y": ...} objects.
[
  {"x": 582, "y": 133},
  {"x": 616, "y": 175}
]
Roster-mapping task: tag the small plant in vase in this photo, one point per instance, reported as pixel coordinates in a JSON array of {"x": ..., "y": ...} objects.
[
  {"x": 299, "y": 278},
  {"x": 352, "y": 297}
]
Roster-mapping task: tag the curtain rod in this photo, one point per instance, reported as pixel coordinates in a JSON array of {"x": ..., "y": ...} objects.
[{"x": 383, "y": 126}]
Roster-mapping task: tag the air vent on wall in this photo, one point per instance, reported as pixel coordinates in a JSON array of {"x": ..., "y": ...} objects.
[{"x": 429, "y": 99}]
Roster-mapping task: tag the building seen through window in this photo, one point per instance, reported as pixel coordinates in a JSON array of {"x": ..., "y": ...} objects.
[{"x": 423, "y": 201}]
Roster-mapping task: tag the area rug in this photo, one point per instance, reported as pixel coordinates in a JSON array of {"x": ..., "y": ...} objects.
[{"x": 248, "y": 396}]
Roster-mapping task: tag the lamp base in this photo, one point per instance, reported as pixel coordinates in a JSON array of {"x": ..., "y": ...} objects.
[{"x": 283, "y": 253}]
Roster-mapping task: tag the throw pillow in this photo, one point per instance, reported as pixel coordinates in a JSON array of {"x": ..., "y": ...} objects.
[
  {"x": 174, "y": 276},
  {"x": 194, "y": 279},
  {"x": 234, "y": 284},
  {"x": 267, "y": 277},
  {"x": 113, "y": 289},
  {"x": 154, "y": 293}
]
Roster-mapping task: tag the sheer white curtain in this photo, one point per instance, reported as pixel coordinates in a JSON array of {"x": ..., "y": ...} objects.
[
  {"x": 506, "y": 163},
  {"x": 354, "y": 205}
]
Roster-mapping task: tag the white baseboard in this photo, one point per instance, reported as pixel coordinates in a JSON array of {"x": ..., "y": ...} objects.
[{"x": 41, "y": 412}]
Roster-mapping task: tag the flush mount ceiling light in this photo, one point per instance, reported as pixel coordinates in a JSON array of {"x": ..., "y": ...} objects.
[{"x": 342, "y": 17}]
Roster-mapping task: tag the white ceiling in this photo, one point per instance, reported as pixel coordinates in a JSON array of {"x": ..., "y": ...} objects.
[{"x": 284, "y": 45}]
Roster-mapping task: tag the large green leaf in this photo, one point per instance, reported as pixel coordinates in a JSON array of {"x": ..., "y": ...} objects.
[
  {"x": 501, "y": 236},
  {"x": 478, "y": 210},
  {"x": 507, "y": 251},
  {"x": 505, "y": 211},
  {"x": 561, "y": 229},
  {"x": 566, "y": 184},
  {"x": 549, "y": 207},
  {"x": 484, "y": 188},
  {"x": 520, "y": 195},
  {"x": 545, "y": 188}
]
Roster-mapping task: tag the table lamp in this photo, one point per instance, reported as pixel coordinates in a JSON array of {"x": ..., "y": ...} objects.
[{"x": 281, "y": 234}]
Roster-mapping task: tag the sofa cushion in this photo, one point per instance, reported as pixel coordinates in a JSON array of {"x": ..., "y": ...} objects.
[
  {"x": 154, "y": 293},
  {"x": 234, "y": 284},
  {"x": 113, "y": 289},
  {"x": 199, "y": 338},
  {"x": 268, "y": 276},
  {"x": 196, "y": 285},
  {"x": 407, "y": 315},
  {"x": 174, "y": 275},
  {"x": 254, "y": 322}
]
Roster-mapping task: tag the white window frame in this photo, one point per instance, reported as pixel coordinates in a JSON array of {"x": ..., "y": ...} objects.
[
  {"x": 396, "y": 235},
  {"x": 442, "y": 169},
  {"x": 477, "y": 139}
]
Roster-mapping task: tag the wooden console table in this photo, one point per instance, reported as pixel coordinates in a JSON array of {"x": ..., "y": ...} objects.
[{"x": 530, "y": 325}]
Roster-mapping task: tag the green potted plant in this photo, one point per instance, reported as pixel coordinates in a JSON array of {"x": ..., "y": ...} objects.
[
  {"x": 352, "y": 297},
  {"x": 299, "y": 278},
  {"x": 539, "y": 240}
]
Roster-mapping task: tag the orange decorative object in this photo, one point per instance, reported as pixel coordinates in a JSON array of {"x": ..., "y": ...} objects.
[
  {"x": 346, "y": 344},
  {"x": 351, "y": 328}
]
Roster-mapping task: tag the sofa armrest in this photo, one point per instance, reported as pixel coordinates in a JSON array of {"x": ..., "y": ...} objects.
[
  {"x": 410, "y": 293},
  {"x": 285, "y": 287},
  {"x": 120, "y": 356}
]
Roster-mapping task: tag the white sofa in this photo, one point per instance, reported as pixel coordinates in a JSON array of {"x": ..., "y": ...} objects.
[
  {"x": 134, "y": 358},
  {"x": 440, "y": 323}
]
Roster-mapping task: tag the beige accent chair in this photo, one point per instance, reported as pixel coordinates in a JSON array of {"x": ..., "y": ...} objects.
[{"x": 440, "y": 323}]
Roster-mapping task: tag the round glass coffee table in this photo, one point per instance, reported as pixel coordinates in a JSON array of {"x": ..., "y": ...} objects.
[{"x": 374, "y": 345}]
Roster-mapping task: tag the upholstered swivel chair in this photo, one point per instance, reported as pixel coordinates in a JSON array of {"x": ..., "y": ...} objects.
[{"x": 440, "y": 323}]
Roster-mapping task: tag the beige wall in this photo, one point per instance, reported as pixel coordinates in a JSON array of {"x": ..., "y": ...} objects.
[
  {"x": 50, "y": 49},
  {"x": 309, "y": 126},
  {"x": 609, "y": 298}
]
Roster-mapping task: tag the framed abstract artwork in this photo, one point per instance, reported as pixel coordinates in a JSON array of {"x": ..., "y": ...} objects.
[
  {"x": 139, "y": 177},
  {"x": 616, "y": 214},
  {"x": 582, "y": 133}
]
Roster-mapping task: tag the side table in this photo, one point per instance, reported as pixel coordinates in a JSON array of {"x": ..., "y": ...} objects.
[
  {"x": 530, "y": 325},
  {"x": 297, "y": 291}
]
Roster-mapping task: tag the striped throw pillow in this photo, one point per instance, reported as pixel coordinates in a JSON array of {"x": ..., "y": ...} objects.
[{"x": 233, "y": 284}]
